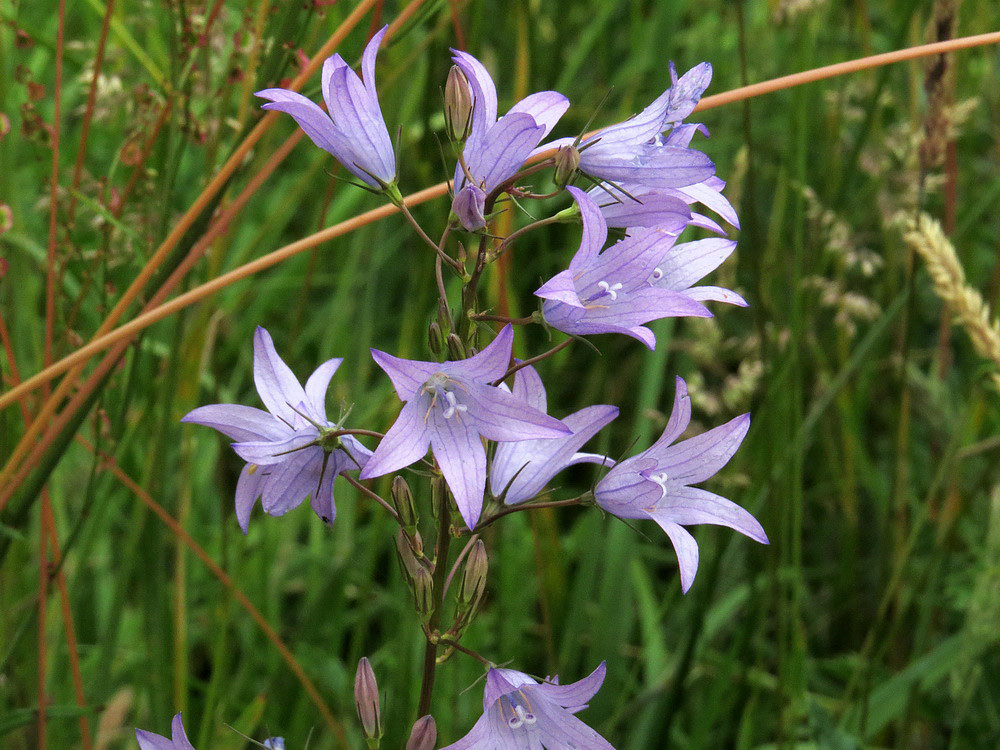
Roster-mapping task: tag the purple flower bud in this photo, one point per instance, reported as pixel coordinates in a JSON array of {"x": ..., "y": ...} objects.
[
  {"x": 423, "y": 736},
  {"x": 366, "y": 699},
  {"x": 458, "y": 105}
]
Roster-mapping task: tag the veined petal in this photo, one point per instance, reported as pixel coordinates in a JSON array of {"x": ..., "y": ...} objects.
[
  {"x": 470, "y": 206},
  {"x": 179, "y": 739},
  {"x": 664, "y": 167},
  {"x": 489, "y": 364},
  {"x": 713, "y": 199},
  {"x": 462, "y": 458},
  {"x": 241, "y": 423},
  {"x": 558, "y": 728},
  {"x": 630, "y": 261},
  {"x": 642, "y": 305},
  {"x": 648, "y": 208},
  {"x": 331, "y": 66},
  {"x": 359, "y": 116},
  {"x": 498, "y": 415},
  {"x": 680, "y": 417},
  {"x": 248, "y": 489},
  {"x": 317, "y": 386},
  {"x": 507, "y": 144},
  {"x": 264, "y": 453},
  {"x": 715, "y": 294},
  {"x": 595, "y": 229},
  {"x": 407, "y": 375},
  {"x": 309, "y": 116},
  {"x": 684, "y": 545},
  {"x": 702, "y": 456},
  {"x": 368, "y": 61},
  {"x": 546, "y": 107},
  {"x": 529, "y": 388},
  {"x": 405, "y": 442},
  {"x": 322, "y": 503},
  {"x": 561, "y": 288},
  {"x": 575, "y": 695},
  {"x": 289, "y": 483},
  {"x": 689, "y": 262},
  {"x": 689, "y": 506},
  {"x": 686, "y": 91},
  {"x": 591, "y": 458},
  {"x": 277, "y": 386}
]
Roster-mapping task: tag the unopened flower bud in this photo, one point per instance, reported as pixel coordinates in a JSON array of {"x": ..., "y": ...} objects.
[
  {"x": 423, "y": 592},
  {"x": 567, "y": 162},
  {"x": 477, "y": 565},
  {"x": 423, "y": 736},
  {"x": 458, "y": 105},
  {"x": 404, "y": 547},
  {"x": 435, "y": 339},
  {"x": 367, "y": 701},
  {"x": 456, "y": 349},
  {"x": 402, "y": 498}
]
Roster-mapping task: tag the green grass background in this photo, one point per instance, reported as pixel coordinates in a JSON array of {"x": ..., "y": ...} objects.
[{"x": 870, "y": 621}]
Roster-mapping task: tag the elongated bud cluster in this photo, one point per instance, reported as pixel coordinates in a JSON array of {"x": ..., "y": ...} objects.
[
  {"x": 367, "y": 702},
  {"x": 402, "y": 498},
  {"x": 423, "y": 736},
  {"x": 458, "y": 105},
  {"x": 567, "y": 162},
  {"x": 477, "y": 566}
]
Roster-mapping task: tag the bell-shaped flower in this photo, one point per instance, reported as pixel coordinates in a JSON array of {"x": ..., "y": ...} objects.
[
  {"x": 656, "y": 484},
  {"x": 352, "y": 129},
  {"x": 635, "y": 151},
  {"x": 178, "y": 738},
  {"x": 610, "y": 291},
  {"x": 290, "y": 450},
  {"x": 451, "y": 406},
  {"x": 496, "y": 149},
  {"x": 521, "y": 470},
  {"x": 520, "y": 713},
  {"x": 690, "y": 261}
]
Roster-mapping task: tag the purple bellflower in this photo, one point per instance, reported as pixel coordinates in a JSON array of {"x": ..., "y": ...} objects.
[
  {"x": 354, "y": 131},
  {"x": 635, "y": 151},
  {"x": 610, "y": 291},
  {"x": 525, "y": 467},
  {"x": 496, "y": 149},
  {"x": 178, "y": 740},
  {"x": 656, "y": 484},
  {"x": 288, "y": 448},
  {"x": 451, "y": 406},
  {"x": 520, "y": 713}
]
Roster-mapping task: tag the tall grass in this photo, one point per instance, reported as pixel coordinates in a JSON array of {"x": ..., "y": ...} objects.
[{"x": 869, "y": 621}]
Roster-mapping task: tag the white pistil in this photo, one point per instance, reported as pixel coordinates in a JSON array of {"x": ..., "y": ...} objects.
[
  {"x": 453, "y": 405},
  {"x": 657, "y": 274},
  {"x": 661, "y": 479},
  {"x": 610, "y": 289}
]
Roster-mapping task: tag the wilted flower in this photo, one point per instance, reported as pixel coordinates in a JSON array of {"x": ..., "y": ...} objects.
[
  {"x": 655, "y": 484},
  {"x": 289, "y": 451},
  {"x": 450, "y": 406},
  {"x": 524, "y": 468},
  {"x": 635, "y": 151},
  {"x": 496, "y": 149},
  {"x": 354, "y": 131},
  {"x": 610, "y": 291},
  {"x": 178, "y": 738},
  {"x": 519, "y": 712}
]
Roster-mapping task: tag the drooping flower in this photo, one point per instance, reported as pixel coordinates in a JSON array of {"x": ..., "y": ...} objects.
[
  {"x": 496, "y": 149},
  {"x": 520, "y": 713},
  {"x": 636, "y": 152},
  {"x": 353, "y": 129},
  {"x": 289, "y": 449},
  {"x": 178, "y": 740},
  {"x": 521, "y": 470},
  {"x": 450, "y": 406},
  {"x": 610, "y": 291},
  {"x": 656, "y": 484}
]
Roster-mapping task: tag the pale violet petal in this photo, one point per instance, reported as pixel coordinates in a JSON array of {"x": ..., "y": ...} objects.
[
  {"x": 316, "y": 387},
  {"x": 684, "y": 545},
  {"x": 404, "y": 443},
  {"x": 277, "y": 386},
  {"x": 498, "y": 415},
  {"x": 248, "y": 488},
  {"x": 241, "y": 423},
  {"x": 689, "y": 506},
  {"x": 489, "y": 364},
  {"x": 407, "y": 375},
  {"x": 462, "y": 458}
]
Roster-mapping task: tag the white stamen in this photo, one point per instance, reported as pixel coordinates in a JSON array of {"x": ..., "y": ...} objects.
[
  {"x": 522, "y": 717},
  {"x": 657, "y": 274},
  {"x": 610, "y": 289},
  {"x": 453, "y": 405},
  {"x": 661, "y": 479}
]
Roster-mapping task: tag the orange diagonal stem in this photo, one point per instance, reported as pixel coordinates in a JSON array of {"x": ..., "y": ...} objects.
[{"x": 225, "y": 580}]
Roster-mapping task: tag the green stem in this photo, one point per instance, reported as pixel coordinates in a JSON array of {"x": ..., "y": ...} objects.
[{"x": 440, "y": 569}]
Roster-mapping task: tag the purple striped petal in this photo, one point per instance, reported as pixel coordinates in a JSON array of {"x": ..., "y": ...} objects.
[
  {"x": 462, "y": 458},
  {"x": 508, "y": 144},
  {"x": 545, "y": 107},
  {"x": 309, "y": 116},
  {"x": 715, "y": 294},
  {"x": 241, "y": 423},
  {"x": 561, "y": 288},
  {"x": 317, "y": 385},
  {"x": 680, "y": 416},
  {"x": 659, "y": 167},
  {"x": 248, "y": 488},
  {"x": 266, "y": 453},
  {"x": 575, "y": 695},
  {"x": 702, "y": 456},
  {"x": 498, "y": 415},
  {"x": 290, "y": 482},
  {"x": 689, "y": 262},
  {"x": 529, "y": 388},
  {"x": 483, "y": 90},
  {"x": 368, "y": 62},
  {"x": 684, "y": 545},
  {"x": 689, "y": 506},
  {"x": 647, "y": 208},
  {"x": 407, "y": 375},
  {"x": 277, "y": 386},
  {"x": 404, "y": 443},
  {"x": 322, "y": 502},
  {"x": 489, "y": 364},
  {"x": 686, "y": 91},
  {"x": 595, "y": 229}
]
